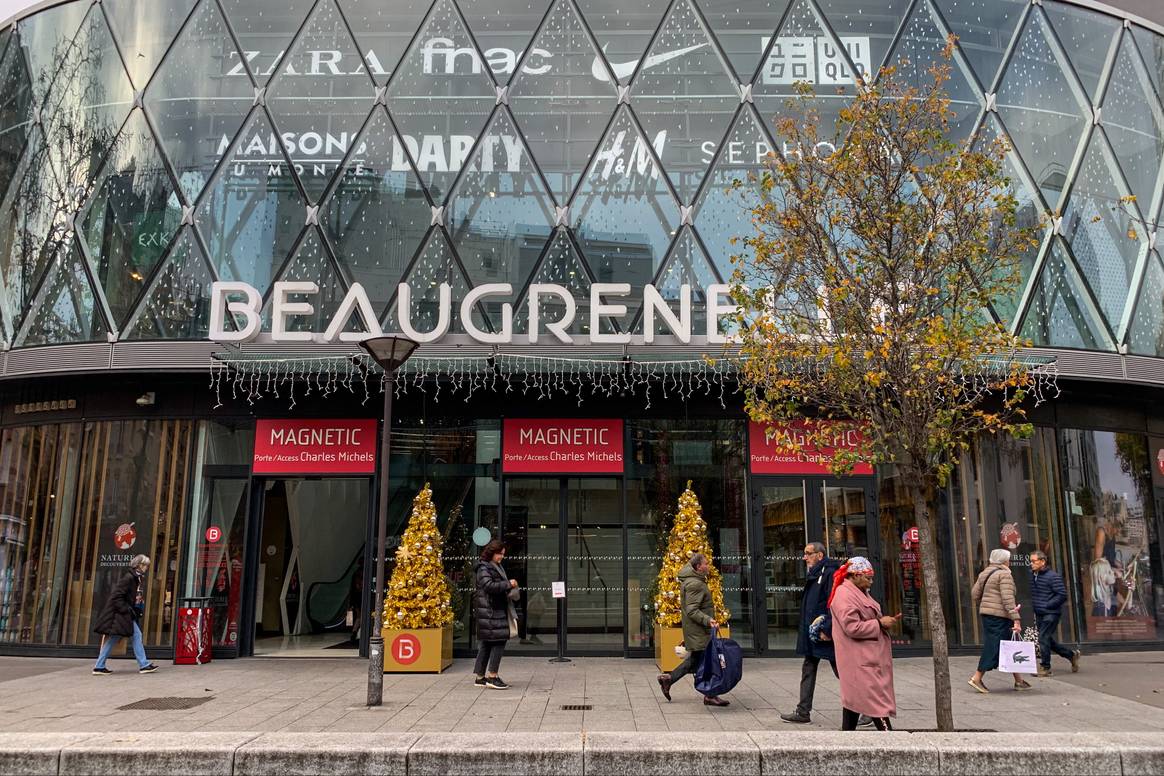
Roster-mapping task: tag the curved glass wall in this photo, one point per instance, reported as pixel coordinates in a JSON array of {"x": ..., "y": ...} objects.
[{"x": 148, "y": 149}]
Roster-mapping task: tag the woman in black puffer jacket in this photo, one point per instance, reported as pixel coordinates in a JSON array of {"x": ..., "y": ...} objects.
[{"x": 493, "y": 609}]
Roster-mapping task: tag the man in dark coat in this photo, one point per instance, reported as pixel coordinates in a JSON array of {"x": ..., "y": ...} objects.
[
  {"x": 814, "y": 603},
  {"x": 121, "y": 616},
  {"x": 1049, "y": 595}
]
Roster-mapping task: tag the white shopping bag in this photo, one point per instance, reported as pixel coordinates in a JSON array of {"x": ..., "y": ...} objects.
[{"x": 1017, "y": 657}]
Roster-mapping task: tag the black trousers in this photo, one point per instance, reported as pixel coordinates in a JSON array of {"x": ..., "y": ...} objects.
[
  {"x": 849, "y": 720},
  {"x": 1048, "y": 624},
  {"x": 808, "y": 683},
  {"x": 488, "y": 657},
  {"x": 688, "y": 666}
]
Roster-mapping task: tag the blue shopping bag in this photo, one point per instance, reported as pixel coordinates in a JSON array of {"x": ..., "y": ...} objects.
[{"x": 722, "y": 666}]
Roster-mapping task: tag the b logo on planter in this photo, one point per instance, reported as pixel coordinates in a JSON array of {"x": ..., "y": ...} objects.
[{"x": 405, "y": 649}]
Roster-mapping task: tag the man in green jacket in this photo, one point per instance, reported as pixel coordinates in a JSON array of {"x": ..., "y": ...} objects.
[{"x": 698, "y": 618}]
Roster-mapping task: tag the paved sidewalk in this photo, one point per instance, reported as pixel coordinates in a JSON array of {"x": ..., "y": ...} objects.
[{"x": 327, "y": 695}]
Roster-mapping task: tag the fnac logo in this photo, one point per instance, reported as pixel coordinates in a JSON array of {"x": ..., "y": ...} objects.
[{"x": 124, "y": 536}]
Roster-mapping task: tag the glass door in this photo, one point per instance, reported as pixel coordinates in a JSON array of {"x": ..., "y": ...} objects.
[{"x": 566, "y": 529}]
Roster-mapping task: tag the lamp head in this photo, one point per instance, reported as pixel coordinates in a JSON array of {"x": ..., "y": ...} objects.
[{"x": 390, "y": 351}]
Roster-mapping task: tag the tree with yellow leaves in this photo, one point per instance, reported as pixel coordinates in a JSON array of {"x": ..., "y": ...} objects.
[
  {"x": 418, "y": 593},
  {"x": 688, "y": 536}
]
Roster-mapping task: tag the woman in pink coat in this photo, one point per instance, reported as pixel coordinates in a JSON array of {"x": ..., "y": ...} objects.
[{"x": 864, "y": 654}]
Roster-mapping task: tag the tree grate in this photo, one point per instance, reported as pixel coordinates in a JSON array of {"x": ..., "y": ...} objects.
[
  {"x": 165, "y": 704},
  {"x": 577, "y": 707}
]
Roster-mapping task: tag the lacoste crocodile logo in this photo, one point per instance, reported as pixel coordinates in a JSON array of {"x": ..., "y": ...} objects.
[{"x": 625, "y": 69}]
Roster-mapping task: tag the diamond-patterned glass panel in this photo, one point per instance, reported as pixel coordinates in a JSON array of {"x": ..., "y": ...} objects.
[
  {"x": 15, "y": 110},
  {"x": 866, "y": 29},
  {"x": 562, "y": 108},
  {"x": 984, "y": 29},
  {"x": 1059, "y": 314},
  {"x": 441, "y": 97},
  {"x": 623, "y": 214},
  {"x": 1044, "y": 114},
  {"x": 723, "y": 209},
  {"x": 177, "y": 305},
  {"x": 45, "y": 38},
  {"x": 145, "y": 31},
  {"x": 623, "y": 30},
  {"x": 252, "y": 213},
  {"x": 318, "y": 107},
  {"x": 561, "y": 266},
  {"x": 500, "y": 214},
  {"x": 310, "y": 264},
  {"x": 377, "y": 216},
  {"x": 436, "y": 264},
  {"x": 687, "y": 265},
  {"x": 131, "y": 216},
  {"x": 66, "y": 308},
  {"x": 1151, "y": 48},
  {"x": 503, "y": 29},
  {"x": 383, "y": 31},
  {"x": 1133, "y": 119},
  {"x": 1087, "y": 36},
  {"x": 1146, "y": 334},
  {"x": 1106, "y": 239},
  {"x": 740, "y": 27},
  {"x": 919, "y": 50},
  {"x": 686, "y": 99},
  {"x": 265, "y": 29},
  {"x": 199, "y": 98}
]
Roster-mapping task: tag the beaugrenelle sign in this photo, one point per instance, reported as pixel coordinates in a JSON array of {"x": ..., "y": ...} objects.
[
  {"x": 561, "y": 446},
  {"x": 767, "y": 457},
  {"x": 292, "y": 299},
  {"x": 315, "y": 446}
]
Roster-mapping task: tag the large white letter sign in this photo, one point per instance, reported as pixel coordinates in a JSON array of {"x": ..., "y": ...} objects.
[
  {"x": 282, "y": 308},
  {"x": 557, "y": 328},
  {"x": 356, "y": 300},
  {"x": 715, "y": 310},
  {"x": 404, "y": 313},
  {"x": 501, "y": 337},
  {"x": 598, "y": 309},
  {"x": 654, "y": 302},
  {"x": 249, "y": 309}
]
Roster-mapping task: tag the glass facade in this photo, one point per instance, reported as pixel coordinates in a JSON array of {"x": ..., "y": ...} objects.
[{"x": 145, "y": 155}]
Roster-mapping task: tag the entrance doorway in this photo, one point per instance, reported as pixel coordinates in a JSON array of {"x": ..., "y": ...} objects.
[
  {"x": 567, "y": 529},
  {"x": 309, "y": 566},
  {"x": 791, "y": 512}
]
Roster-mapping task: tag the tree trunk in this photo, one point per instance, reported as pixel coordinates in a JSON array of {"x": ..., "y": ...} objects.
[{"x": 943, "y": 702}]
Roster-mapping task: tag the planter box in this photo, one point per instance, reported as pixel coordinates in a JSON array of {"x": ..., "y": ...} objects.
[
  {"x": 666, "y": 639},
  {"x": 425, "y": 650}
]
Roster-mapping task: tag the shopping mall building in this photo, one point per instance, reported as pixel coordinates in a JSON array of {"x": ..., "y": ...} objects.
[{"x": 199, "y": 199}]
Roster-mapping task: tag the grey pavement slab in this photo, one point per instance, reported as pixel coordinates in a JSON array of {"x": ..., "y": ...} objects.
[
  {"x": 307, "y": 754},
  {"x": 1022, "y": 754},
  {"x": 33, "y": 754},
  {"x": 860, "y": 753},
  {"x": 633, "y": 754},
  {"x": 133, "y": 754},
  {"x": 497, "y": 754}
]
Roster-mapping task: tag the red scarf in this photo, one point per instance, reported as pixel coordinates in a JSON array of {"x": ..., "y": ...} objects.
[{"x": 838, "y": 578}]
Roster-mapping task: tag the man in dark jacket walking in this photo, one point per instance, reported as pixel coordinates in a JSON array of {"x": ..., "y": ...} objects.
[
  {"x": 121, "y": 615},
  {"x": 1049, "y": 595},
  {"x": 697, "y": 619},
  {"x": 813, "y": 604}
]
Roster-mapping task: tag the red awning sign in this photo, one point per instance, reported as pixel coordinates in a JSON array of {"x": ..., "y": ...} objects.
[
  {"x": 561, "y": 446},
  {"x": 769, "y": 457},
  {"x": 315, "y": 447}
]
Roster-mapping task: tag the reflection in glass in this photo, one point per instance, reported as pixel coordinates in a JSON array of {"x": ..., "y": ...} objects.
[
  {"x": 382, "y": 31},
  {"x": 177, "y": 306},
  {"x": 1059, "y": 314},
  {"x": 740, "y": 26},
  {"x": 785, "y": 525},
  {"x": 503, "y": 28},
  {"x": 1146, "y": 333},
  {"x": 311, "y": 265},
  {"x": 318, "y": 107},
  {"x": 984, "y": 29},
  {"x": 623, "y": 30},
  {"x": 131, "y": 216},
  {"x": 687, "y": 265},
  {"x": 145, "y": 31},
  {"x": 1042, "y": 109},
  {"x": 46, "y": 37},
  {"x": 1151, "y": 48},
  {"x": 1134, "y": 122},
  {"x": 65, "y": 308},
  {"x": 1086, "y": 36},
  {"x": 594, "y": 558},
  {"x": 435, "y": 265},
  {"x": 866, "y": 29},
  {"x": 532, "y": 530},
  {"x": 265, "y": 27},
  {"x": 561, "y": 266},
  {"x": 16, "y": 102}
]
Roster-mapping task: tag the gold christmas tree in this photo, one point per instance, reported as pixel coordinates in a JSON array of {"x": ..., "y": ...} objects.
[
  {"x": 688, "y": 536},
  {"x": 418, "y": 593}
]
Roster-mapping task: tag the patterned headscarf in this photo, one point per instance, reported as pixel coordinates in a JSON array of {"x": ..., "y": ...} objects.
[{"x": 854, "y": 565}]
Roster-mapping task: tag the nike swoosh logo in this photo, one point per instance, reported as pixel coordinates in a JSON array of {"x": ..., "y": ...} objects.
[{"x": 624, "y": 69}]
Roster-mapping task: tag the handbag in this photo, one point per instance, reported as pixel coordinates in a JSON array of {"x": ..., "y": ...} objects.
[
  {"x": 512, "y": 616},
  {"x": 722, "y": 666},
  {"x": 1017, "y": 656}
]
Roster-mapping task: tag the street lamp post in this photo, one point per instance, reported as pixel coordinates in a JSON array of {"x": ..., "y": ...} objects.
[{"x": 390, "y": 353}]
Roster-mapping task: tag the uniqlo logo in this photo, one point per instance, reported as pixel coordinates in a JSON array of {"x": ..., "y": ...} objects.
[{"x": 814, "y": 60}]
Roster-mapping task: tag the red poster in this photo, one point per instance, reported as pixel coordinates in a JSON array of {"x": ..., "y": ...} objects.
[
  {"x": 315, "y": 447},
  {"x": 561, "y": 446},
  {"x": 769, "y": 458}
]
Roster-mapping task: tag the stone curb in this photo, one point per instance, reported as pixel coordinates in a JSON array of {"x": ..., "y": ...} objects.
[{"x": 761, "y": 753}]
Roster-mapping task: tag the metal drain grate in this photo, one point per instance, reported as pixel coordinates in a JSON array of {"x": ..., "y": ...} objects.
[
  {"x": 577, "y": 707},
  {"x": 165, "y": 704}
]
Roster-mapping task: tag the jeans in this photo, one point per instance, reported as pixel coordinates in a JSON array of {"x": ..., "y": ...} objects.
[
  {"x": 850, "y": 718},
  {"x": 109, "y": 642},
  {"x": 1048, "y": 624},
  {"x": 808, "y": 683},
  {"x": 488, "y": 657},
  {"x": 688, "y": 666}
]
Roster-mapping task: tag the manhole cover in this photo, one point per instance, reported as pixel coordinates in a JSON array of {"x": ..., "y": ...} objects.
[
  {"x": 577, "y": 707},
  {"x": 165, "y": 704}
]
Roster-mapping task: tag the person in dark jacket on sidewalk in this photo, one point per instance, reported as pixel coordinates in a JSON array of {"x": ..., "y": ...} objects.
[
  {"x": 1049, "y": 596},
  {"x": 121, "y": 615},
  {"x": 813, "y": 605},
  {"x": 697, "y": 619},
  {"x": 493, "y": 610}
]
